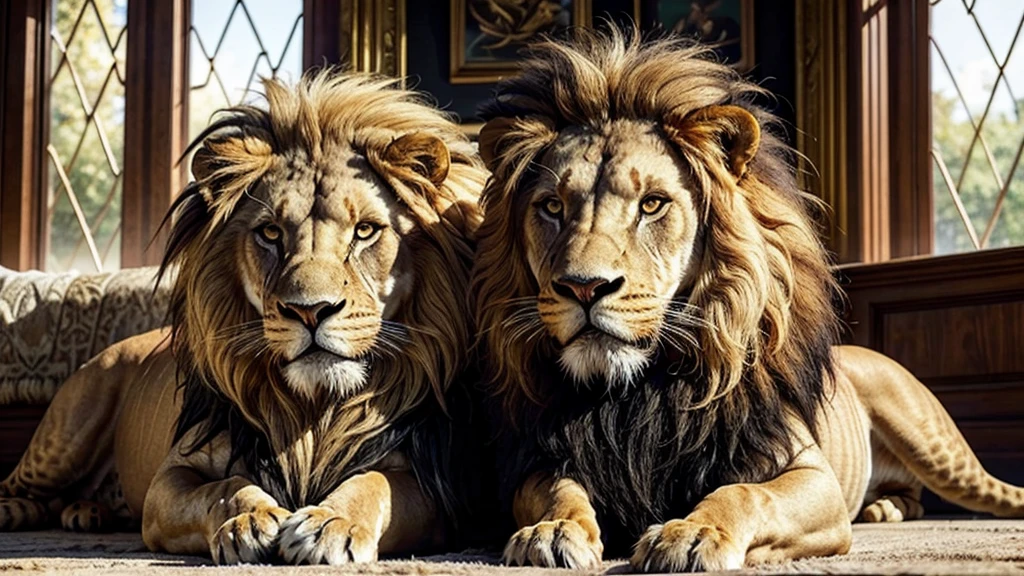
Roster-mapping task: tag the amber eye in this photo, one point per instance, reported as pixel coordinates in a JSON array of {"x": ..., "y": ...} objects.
[
  {"x": 552, "y": 207},
  {"x": 652, "y": 204},
  {"x": 269, "y": 233},
  {"x": 366, "y": 230}
]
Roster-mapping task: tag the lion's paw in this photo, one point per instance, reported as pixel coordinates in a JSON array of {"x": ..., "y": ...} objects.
[
  {"x": 686, "y": 546},
  {"x": 316, "y": 535},
  {"x": 554, "y": 544},
  {"x": 85, "y": 516},
  {"x": 21, "y": 514},
  {"x": 892, "y": 509},
  {"x": 249, "y": 538}
]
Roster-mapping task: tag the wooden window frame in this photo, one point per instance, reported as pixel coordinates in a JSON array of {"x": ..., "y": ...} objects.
[
  {"x": 156, "y": 111},
  {"x": 863, "y": 72},
  {"x": 25, "y": 47}
]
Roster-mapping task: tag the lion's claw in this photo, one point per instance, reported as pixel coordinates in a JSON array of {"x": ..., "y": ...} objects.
[
  {"x": 248, "y": 538},
  {"x": 316, "y": 535},
  {"x": 686, "y": 546},
  {"x": 553, "y": 544}
]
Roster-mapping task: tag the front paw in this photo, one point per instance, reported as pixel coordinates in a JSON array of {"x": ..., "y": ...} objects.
[
  {"x": 686, "y": 546},
  {"x": 316, "y": 535},
  {"x": 554, "y": 544},
  {"x": 249, "y": 538}
]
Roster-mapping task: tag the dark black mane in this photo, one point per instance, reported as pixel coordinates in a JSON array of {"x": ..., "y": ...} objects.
[
  {"x": 443, "y": 451},
  {"x": 643, "y": 455}
]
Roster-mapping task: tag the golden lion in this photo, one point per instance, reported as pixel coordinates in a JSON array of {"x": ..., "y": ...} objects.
[
  {"x": 657, "y": 312},
  {"x": 319, "y": 318}
]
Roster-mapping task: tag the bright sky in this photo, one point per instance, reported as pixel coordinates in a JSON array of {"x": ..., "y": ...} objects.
[
  {"x": 956, "y": 33},
  {"x": 273, "y": 19}
]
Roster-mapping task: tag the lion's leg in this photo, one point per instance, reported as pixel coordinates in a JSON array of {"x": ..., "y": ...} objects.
[
  {"x": 106, "y": 511},
  {"x": 71, "y": 449},
  {"x": 798, "y": 514},
  {"x": 86, "y": 516},
  {"x": 371, "y": 513},
  {"x": 894, "y": 493},
  {"x": 894, "y": 507},
  {"x": 22, "y": 514},
  {"x": 232, "y": 519},
  {"x": 558, "y": 525}
]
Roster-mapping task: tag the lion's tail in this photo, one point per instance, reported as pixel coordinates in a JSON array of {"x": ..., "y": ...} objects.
[{"x": 921, "y": 434}]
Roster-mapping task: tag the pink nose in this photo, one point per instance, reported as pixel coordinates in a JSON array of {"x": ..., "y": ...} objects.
[
  {"x": 586, "y": 291},
  {"x": 310, "y": 315}
]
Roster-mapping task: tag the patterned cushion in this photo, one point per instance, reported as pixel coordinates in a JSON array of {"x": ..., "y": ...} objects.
[{"x": 50, "y": 324}]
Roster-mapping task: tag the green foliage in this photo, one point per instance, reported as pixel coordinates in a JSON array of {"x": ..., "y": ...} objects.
[
  {"x": 94, "y": 177},
  {"x": 951, "y": 136}
]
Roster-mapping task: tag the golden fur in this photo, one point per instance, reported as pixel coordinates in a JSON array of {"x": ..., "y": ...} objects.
[
  {"x": 368, "y": 115},
  {"x": 339, "y": 215},
  {"x": 656, "y": 310},
  {"x": 761, "y": 246}
]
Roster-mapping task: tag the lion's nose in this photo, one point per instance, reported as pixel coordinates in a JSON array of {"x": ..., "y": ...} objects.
[
  {"x": 310, "y": 315},
  {"x": 586, "y": 291}
]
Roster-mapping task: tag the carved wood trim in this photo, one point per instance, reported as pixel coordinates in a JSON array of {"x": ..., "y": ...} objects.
[
  {"x": 823, "y": 124},
  {"x": 374, "y": 37}
]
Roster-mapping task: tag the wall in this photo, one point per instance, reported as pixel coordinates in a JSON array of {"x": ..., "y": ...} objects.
[{"x": 428, "y": 54}]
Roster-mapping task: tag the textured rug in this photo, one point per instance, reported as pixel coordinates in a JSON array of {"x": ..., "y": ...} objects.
[{"x": 922, "y": 547}]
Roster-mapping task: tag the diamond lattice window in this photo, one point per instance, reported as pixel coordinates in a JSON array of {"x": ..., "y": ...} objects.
[
  {"x": 86, "y": 135},
  {"x": 232, "y": 44},
  {"x": 977, "y": 86}
]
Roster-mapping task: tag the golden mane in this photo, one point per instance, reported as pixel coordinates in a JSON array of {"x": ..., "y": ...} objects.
[
  {"x": 315, "y": 442},
  {"x": 764, "y": 289}
]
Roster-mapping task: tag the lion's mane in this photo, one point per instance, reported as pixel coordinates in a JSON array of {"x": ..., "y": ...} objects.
[
  {"x": 715, "y": 412},
  {"x": 300, "y": 449}
]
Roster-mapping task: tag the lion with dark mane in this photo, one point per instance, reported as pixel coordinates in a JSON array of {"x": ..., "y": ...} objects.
[
  {"x": 655, "y": 310},
  {"x": 319, "y": 325}
]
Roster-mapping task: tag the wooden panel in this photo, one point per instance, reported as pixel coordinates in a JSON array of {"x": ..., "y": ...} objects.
[
  {"x": 155, "y": 128},
  {"x": 984, "y": 339},
  {"x": 910, "y": 189},
  {"x": 321, "y": 33},
  {"x": 25, "y": 54},
  {"x": 17, "y": 424},
  {"x": 982, "y": 401}
]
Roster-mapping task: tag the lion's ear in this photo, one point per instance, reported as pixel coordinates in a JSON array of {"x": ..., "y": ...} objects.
[
  {"x": 489, "y": 139},
  {"x": 500, "y": 134},
  {"x": 203, "y": 163},
  {"x": 731, "y": 128},
  {"x": 424, "y": 154}
]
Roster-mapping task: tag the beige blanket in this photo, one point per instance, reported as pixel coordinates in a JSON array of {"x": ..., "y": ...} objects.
[{"x": 922, "y": 547}]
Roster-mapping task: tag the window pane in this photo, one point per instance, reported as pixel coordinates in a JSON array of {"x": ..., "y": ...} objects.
[
  {"x": 977, "y": 86},
  {"x": 232, "y": 44},
  {"x": 85, "y": 144}
]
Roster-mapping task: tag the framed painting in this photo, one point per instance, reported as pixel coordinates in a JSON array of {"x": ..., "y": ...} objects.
[
  {"x": 727, "y": 25},
  {"x": 486, "y": 35}
]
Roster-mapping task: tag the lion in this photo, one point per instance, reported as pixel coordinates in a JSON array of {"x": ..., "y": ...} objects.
[
  {"x": 319, "y": 322},
  {"x": 657, "y": 318}
]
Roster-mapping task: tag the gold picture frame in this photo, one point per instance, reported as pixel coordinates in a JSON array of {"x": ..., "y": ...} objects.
[
  {"x": 464, "y": 71},
  {"x": 738, "y": 48}
]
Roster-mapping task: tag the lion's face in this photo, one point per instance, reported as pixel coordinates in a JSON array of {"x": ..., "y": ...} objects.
[
  {"x": 611, "y": 237},
  {"x": 321, "y": 259}
]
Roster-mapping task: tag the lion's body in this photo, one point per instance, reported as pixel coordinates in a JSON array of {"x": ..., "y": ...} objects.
[
  {"x": 885, "y": 435},
  {"x": 101, "y": 441},
  {"x": 318, "y": 333},
  {"x": 657, "y": 315}
]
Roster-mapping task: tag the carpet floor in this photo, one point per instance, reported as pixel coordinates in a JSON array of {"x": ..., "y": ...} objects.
[{"x": 922, "y": 547}]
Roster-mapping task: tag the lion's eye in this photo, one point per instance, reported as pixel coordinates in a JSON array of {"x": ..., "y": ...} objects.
[
  {"x": 366, "y": 230},
  {"x": 552, "y": 207},
  {"x": 652, "y": 204},
  {"x": 269, "y": 233}
]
